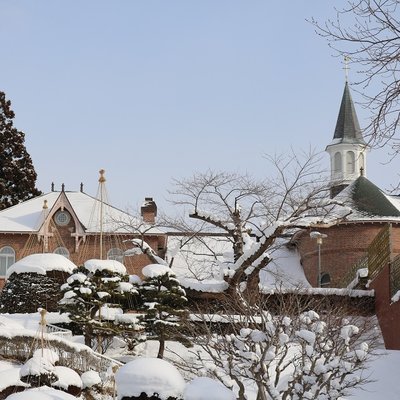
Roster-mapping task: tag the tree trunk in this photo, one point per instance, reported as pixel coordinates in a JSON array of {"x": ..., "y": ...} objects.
[{"x": 161, "y": 348}]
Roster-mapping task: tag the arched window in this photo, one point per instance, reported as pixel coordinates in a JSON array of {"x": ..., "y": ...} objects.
[
  {"x": 337, "y": 163},
  {"x": 62, "y": 251},
  {"x": 350, "y": 162},
  {"x": 7, "y": 258},
  {"x": 115, "y": 254},
  {"x": 325, "y": 279}
]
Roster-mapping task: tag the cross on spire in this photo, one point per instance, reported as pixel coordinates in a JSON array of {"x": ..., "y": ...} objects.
[{"x": 346, "y": 66}]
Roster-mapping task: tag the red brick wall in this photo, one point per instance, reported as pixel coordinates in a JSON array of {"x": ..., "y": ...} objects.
[
  {"x": 25, "y": 244},
  {"x": 388, "y": 313},
  {"x": 343, "y": 247}
]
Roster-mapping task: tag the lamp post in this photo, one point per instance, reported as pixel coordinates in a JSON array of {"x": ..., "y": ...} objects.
[{"x": 319, "y": 237}]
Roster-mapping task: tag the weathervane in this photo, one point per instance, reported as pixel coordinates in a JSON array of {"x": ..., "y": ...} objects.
[{"x": 346, "y": 66}]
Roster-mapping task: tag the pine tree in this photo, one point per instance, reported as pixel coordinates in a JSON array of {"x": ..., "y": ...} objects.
[
  {"x": 17, "y": 174},
  {"x": 88, "y": 294},
  {"x": 164, "y": 302}
]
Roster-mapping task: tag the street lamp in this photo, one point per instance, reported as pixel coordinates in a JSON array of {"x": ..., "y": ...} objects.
[{"x": 318, "y": 236}]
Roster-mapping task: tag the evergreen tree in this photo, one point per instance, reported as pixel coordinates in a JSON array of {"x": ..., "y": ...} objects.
[
  {"x": 164, "y": 302},
  {"x": 17, "y": 174},
  {"x": 90, "y": 294}
]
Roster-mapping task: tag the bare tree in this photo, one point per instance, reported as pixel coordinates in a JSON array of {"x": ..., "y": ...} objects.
[
  {"x": 294, "y": 352},
  {"x": 367, "y": 32},
  {"x": 254, "y": 214}
]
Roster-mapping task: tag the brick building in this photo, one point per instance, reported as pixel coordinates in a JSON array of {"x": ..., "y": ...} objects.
[
  {"x": 368, "y": 208},
  {"x": 78, "y": 226}
]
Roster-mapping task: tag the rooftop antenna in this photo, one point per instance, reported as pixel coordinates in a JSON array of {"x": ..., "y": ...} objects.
[
  {"x": 102, "y": 181},
  {"x": 346, "y": 67}
]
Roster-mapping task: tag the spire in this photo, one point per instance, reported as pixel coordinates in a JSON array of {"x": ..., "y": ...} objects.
[{"x": 347, "y": 127}]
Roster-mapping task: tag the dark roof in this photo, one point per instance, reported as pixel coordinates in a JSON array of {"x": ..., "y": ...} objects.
[
  {"x": 368, "y": 199},
  {"x": 347, "y": 126}
]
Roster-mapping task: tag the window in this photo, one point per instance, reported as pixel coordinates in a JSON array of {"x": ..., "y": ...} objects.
[
  {"x": 325, "y": 279},
  {"x": 7, "y": 258},
  {"x": 350, "y": 162},
  {"x": 62, "y": 218},
  {"x": 115, "y": 254},
  {"x": 337, "y": 163},
  {"x": 62, "y": 251}
]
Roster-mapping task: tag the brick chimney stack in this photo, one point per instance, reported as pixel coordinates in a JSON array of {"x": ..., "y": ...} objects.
[{"x": 149, "y": 210}]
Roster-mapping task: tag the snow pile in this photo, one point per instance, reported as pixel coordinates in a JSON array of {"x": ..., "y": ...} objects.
[
  {"x": 41, "y": 264},
  {"x": 94, "y": 265},
  {"x": 90, "y": 378},
  {"x": 41, "y": 393},
  {"x": 149, "y": 376},
  {"x": 203, "y": 388}
]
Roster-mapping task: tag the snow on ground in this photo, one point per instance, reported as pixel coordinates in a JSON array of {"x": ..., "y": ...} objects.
[
  {"x": 42, "y": 263},
  {"x": 200, "y": 389},
  {"x": 384, "y": 371}
]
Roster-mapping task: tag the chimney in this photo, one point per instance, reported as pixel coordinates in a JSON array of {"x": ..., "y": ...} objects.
[{"x": 149, "y": 210}]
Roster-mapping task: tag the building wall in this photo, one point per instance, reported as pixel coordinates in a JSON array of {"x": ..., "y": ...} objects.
[
  {"x": 341, "y": 249},
  {"x": 388, "y": 313},
  {"x": 25, "y": 244}
]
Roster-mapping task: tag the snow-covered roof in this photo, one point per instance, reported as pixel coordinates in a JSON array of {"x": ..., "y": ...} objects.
[
  {"x": 149, "y": 375},
  {"x": 41, "y": 263},
  {"x": 367, "y": 202},
  {"x": 29, "y": 215}
]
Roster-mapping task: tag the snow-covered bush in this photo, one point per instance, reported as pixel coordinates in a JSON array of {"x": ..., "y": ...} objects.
[
  {"x": 33, "y": 282},
  {"x": 149, "y": 378},
  {"x": 90, "y": 296},
  {"x": 295, "y": 354}
]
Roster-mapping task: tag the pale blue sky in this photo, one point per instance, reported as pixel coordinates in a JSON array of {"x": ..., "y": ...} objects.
[{"x": 152, "y": 90}]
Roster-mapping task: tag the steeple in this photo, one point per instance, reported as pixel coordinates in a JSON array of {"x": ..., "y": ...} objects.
[
  {"x": 348, "y": 147},
  {"x": 347, "y": 127}
]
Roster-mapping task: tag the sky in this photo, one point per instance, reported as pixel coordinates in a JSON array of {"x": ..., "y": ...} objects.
[{"x": 156, "y": 90}]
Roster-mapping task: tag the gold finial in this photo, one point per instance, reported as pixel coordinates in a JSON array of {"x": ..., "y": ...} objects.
[
  {"x": 102, "y": 179},
  {"x": 45, "y": 206},
  {"x": 346, "y": 66}
]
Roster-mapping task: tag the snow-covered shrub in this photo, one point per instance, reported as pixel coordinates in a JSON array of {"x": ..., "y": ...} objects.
[
  {"x": 149, "y": 378},
  {"x": 41, "y": 393},
  {"x": 164, "y": 302},
  {"x": 294, "y": 354},
  {"x": 33, "y": 282},
  {"x": 93, "y": 294},
  {"x": 67, "y": 380}
]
